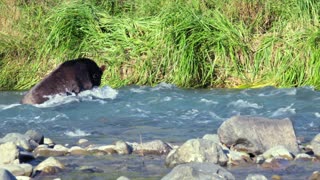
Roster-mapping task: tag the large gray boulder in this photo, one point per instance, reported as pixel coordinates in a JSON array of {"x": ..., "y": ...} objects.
[
  {"x": 197, "y": 171},
  {"x": 256, "y": 135},
  {"x": 315, "y": 143},
  {"x": 152, "y": 147},
  {"x": 197, "y": 150}
]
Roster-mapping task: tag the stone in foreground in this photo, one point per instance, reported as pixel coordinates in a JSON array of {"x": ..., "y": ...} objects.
[
  {"x": 196, "y": 171},
  {"x": 256, "y": 135},
  {"x": 197, "y": 150}
]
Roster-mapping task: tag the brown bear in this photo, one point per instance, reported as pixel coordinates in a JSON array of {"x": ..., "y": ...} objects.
[{"x": 72, "y": 76}]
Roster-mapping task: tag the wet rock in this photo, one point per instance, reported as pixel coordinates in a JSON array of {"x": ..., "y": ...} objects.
[
  {"x": 20, "y": 140},
  {"x": 278, "y": 152},
  {"x": 90, "y": 169},
  {"x": 256, "y": 177},
  {"x": 18, "y": 169},
  {"x": 197, "y": 150},
  {"x": 194, "y": 171},
  {"x": 276, "y": 177},
  {"x": 256, "y": 135},
  {"x": 82, "y": 141},
  {"x": 25, "y": 156},
  {"x": 315, "y": 176},
  {"x": 303, "y": 157},
  {"x": 49, "y": 165},
  {"x": 212, "y": 137},
  {"x": 275, "y": 164},
  {"x": 9, "y": 153},
  {"x": 47, "y": 152},
  {"x": 109, "y": 149},
  {"x": 76, "y": 150},
  {"x": 6, "y": 175},
  {"x": 157, "y": 147},
  {"x": 122, "y": 178},
  {"x": 36, "y": 136},
  {"x": 315, "y": 143},
  {"x": 238, "y": 158}
]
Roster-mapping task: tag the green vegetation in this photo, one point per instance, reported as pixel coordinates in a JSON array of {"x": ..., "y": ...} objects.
[{"x": 190, "y": 43}]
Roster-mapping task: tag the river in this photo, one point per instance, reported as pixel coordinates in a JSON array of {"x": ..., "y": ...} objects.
[{"x": 165, "y": 112}]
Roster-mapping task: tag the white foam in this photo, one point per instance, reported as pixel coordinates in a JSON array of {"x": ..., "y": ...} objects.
[
  {"x": 317, "y": 114},
  {"x": 105, "y": 92},
  {"x": 284, "y": 111},
  {"x": 244, "y": 104},
  {"x": 76, "y": 133},
  {"x": 208, "y": 101},
  {"x": 137, "y": 90},
  {"x": 5, "y": 107}
]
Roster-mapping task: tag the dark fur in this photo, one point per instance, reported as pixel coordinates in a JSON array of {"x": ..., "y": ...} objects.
[{"x": 71, "y": 76}]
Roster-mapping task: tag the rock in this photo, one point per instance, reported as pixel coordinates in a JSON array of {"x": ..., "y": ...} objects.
[
  {"x": 48, "y": 141},
  {"x": 20, "y": 140},
  {"x": 278, "y": 152},
  {"x": 237, "y": 158},
  {"x": 122, "y": 178},
  {"x": 212, "y": 137},
  {"x": 303, "y": 157},
  {"x": 82, "y": 141},
  {"x": 59, "y": 147},
  {"x": 197, "y": 150},
  {"x": 9, "y": 153},
  {"x": 6, "y": 175},
  {"x": 109, "y": 149},
  {"x": 195, "y": 171},
  {"x": 315, "y": 176},
  {"x": 256, "y": 177},
  {"x": 25, "y": 156},
  {"x": 275, "y": 164},
  {"x": 256, "y": 135},
  {"x": 23, "y": 178},
  {"x": 276, "y": 177},
  {"x": 18, "y": 169},
  {"x": 76, "y": 150},
  {"x": 36, "y": 136},
  {"x": 90, "y": 169},
  {"x": 157, "y": 147},
  {"x": 49, "y": 162},
  {"x": 315, "y": 143},
  {"x": 47, "y": 152},
  {"x": 122, "y": 147}
]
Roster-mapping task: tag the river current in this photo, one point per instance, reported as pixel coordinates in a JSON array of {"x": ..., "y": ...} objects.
[{"x": 104, "y": 115}]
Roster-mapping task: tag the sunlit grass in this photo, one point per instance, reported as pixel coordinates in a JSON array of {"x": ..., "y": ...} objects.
[{"x": 193, "y": 43}]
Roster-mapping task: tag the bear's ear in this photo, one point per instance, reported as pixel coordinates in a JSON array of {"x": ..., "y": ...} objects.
[{"x": 103, "y": 67}]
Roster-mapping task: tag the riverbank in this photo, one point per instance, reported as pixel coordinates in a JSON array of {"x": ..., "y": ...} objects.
[
  {"x": 258, "y": 144},
  {"x": 187, "y": 43}
]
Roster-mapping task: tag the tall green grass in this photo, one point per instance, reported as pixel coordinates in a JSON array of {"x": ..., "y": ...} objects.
[{"x": 190, "y": 43}]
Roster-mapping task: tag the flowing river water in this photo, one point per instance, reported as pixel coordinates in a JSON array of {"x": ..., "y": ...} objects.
[{"x": 164, "y": 112}]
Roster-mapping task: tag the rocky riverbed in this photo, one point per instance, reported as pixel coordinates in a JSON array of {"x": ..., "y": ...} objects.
[{"x": 241, "y": 141}]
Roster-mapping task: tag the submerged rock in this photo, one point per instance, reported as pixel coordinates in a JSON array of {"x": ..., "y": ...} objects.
[
  {"x": 47, "y": 152},
  {"x": 197, "y": 150},
  {"x": 315, "y": 143},
  {"x": 256, "y": 134},
  {"x": 195, "y": 171}
]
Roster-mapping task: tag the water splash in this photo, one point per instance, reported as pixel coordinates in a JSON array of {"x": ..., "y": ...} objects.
[{"x": 77, "y": 133}]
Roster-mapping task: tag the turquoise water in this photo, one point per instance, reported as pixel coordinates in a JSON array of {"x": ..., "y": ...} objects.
[{"x": 163, "y": 112}]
